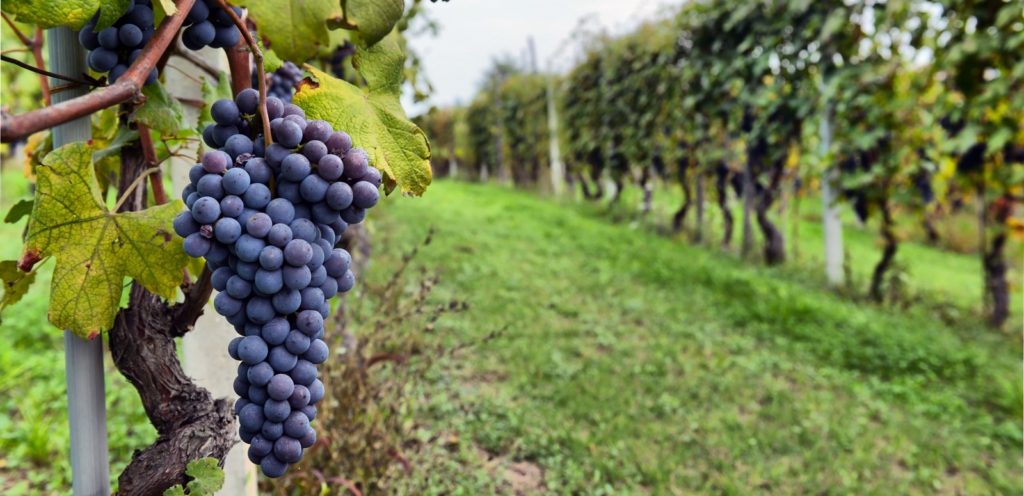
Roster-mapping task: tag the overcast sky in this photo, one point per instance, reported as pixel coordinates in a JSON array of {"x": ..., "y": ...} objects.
[{"x": 473, "y": 32}]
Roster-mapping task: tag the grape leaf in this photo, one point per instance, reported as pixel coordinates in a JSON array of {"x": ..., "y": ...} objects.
[
  {"x": 15, "y": 283},
  {"x": 94, "y": 248},
  {"x": 293, "y": 28},
  {"x": 71, "y": 13},
  {"x": 161, "y": 111},
  {"x": 19, "y": 210},
  {"x": 207, "y": 479},
  {"x": 373, "y": 115},
  {"x": 373, "y": 19}
]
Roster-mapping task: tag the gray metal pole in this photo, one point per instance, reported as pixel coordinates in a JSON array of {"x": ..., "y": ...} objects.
[{"x": 83, "y": 359}]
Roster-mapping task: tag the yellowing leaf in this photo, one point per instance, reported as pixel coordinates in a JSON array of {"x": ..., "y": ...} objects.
[
  {"x": 94, "y": 248},
  {"x": 71, "y": 13},
  {"x": 15, "y": 283},
  {"x": 373, "y": 115},
  {"x": 293, "y": 28}
]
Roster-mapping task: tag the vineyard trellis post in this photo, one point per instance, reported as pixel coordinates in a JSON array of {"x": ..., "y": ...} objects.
[
  {"x": 83, "y": 358},
  {"x": 830, "y": 204},
  {"x": 557, "y": 169}
]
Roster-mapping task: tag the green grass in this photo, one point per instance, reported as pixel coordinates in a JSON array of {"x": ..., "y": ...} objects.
[
  {"x": 944, "y": 279},
  {"x": 625, "y": 362},
  {"x": 631, "y": 363}
]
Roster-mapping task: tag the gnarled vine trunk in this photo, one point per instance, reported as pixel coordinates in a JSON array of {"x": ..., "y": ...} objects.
[
  {"x": 679, "y": 218},
  {"x": 994, "y": 261},
  {"x": 190, "y": 423},
  {"x": 722, "y": 190},
  {"x": 888, "y": 251}
]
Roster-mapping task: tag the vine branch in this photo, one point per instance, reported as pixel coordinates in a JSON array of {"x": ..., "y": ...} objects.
[
  {"x": 257, "y": 56},
  {"x": 127, "y": 88},
  {"x": 34, "y": 45},
  {"x": 46, "y": 73},
  {"x": 149, "y": 155}
]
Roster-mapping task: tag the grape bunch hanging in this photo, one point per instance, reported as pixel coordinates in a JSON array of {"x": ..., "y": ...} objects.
[
  {"x": 113, "y": 49},
  {"x": 267, "y": 221}
]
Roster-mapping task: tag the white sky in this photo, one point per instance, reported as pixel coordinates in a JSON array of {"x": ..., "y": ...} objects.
[{"x": 473, "y": 32}]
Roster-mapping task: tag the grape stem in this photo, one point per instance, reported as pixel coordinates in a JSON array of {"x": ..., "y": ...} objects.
[
  {"x": 257, "y": 55},
  {"x": 127, "y": 88}
]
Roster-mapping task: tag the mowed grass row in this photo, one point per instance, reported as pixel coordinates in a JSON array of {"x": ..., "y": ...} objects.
[
  {"x": 943, "y": 279},
  {"x": 633, "y": 363}
]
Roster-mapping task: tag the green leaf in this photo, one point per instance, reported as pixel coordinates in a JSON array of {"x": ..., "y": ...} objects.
[
  {"x": 373, "y": 115},
  {"x": 373, "y": 19},
  {"x": 293, "y": 28},
  {"x": 94, "y": 248},
  {"x": 71, "y": 13},
  {"x": 207, "y": 477},
  {"x": 19, "y": 210},
  {"x": 161, "y": 112},
  {"x": 175, "y": 491},
  {"x": 15, "y": 283}
]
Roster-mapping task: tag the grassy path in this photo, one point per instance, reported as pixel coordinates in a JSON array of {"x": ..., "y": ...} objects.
[{"x": 634, "y": 363}]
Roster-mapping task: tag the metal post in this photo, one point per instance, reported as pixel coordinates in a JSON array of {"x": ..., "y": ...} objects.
[
  {"x": 557, "y": 168},
  {"x": 83, "y": 359},
  {"x": 832, "y": 225}
]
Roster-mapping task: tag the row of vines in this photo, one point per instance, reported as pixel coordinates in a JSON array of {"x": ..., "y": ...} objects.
[{"x": 907, "y": 106}]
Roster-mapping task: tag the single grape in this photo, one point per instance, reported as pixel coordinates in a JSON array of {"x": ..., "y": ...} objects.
[
  {"x": 108, "y": 38},
  {"x": 269, "y": 281},
  {"x": 222, "y": 132},
  {"x": 257, "y": 196},
  {"x": 317, "y": 352},
  {"x": 239, "y": 288},
  {"x": 226, "y": 37},
  {"x": 260, "y": 311},
  {"x": 339, "y": 196},
  {"x": 206, "y": 210},
  {"x": 216, "y": 162},
  {"x": 329, "y": 287},
  {"x": 364, "y": 195},
  {"x": 198, "y": 35},
  {"x": 272, "y": 467},
  {"x": 280, "y": 387},
  {"x": 338, "y": 262},
  {"x": 271, "y": 257},
  {"x": 304, "y": 229},
  {"x": 339, "y": 143},
  {"x": 353, "y": 214},
  {"x": 281, "y": 359},
  {"x": 317, "y": 130},
  {"x": 258, "y": 225},
  {"x": 102, "y": 59},
  {"x": 281, "y": 211},
  {"x": 276, "y": 331},
  {"x": 297, "y": 342},
  {"x": 184, "y": 224},
  {"x": 303, "y": 372},
  {"x": 275, "y": 107},
  {"x": 330, "y": 167},
  {"x": 211, "y": 185},
  {"x": 309, "y": 439},
  {"x": 272, "y": 430},
  {"x": 259, "y": 170},
  {"x": 248, "y": 248},
  {"x": 276, "y": 154},
  {"x": 279, "y": 235},
  {"x": 313, "y": 188},
  {"x": 356, "y": 164},
  {"x": 231, "y": 206},
  {"x": 288, "y": 449},
  {"x": 289, "y": 190},
  {"x": 219, "y": 278},
  {"x": 318, "y": 277},
  {"x": 198, "y": 13},
  {"x": 314, "y": 151},
  {"x": 225, "y": 112},
  {"x": 288, "y": 134},
  {"x": 251, "y": 417},
  {"x": 287, "y": 301},
  {"x": 227, "y": 230},
  {"x": 346, "y": 282},
  {"x": 252, "y": 349},
  {"x": 196, "y": 245},
  {"x": 291, "y": 109},
  {"x": 298, "y": 252},
  {"x": 296, "y": 277},
  {"x": 237, "y": 145},
  {"x": 316, "y": 392},
  {"x": 248, "y": 101},
  {"x": 260, "y": 374},
  {"x": 129, "y": 35},
  {"x": 88, "y": 38},
  {"x": 117, "y": 72}
]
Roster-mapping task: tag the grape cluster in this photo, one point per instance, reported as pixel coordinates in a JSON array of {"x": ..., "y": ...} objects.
[
  {"x": 113, "y": 49},
  {"x": 210, "y": 25},
  {"x": 282, "y": 82},
  {"x": 267, "y": 221}
]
